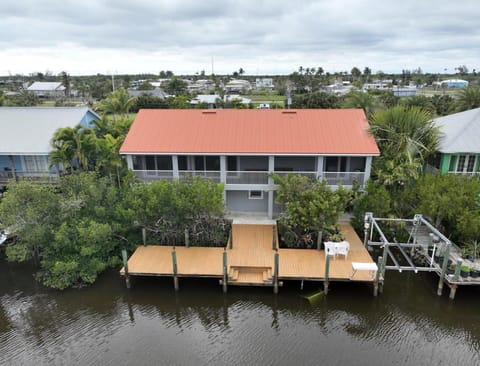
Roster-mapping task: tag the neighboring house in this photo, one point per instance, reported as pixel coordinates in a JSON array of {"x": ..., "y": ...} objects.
[
  {"x": 236, "y": 97},
  {"x": 48, "y": 89},
  {"x": 405, "y": 91},
  {"x": 237, "y": 86},
  {"x": 26, "y": 134},
  {"x": 460, "y": 143},
  {"x": 241, "y": 147},
  {"x": 211, "y": 100},
  {"x": 454, "y": 83},
  {"x": 159, "y": 93},
  {"x": 203, "y": 85},
  {"x": 264, "y": 83}
]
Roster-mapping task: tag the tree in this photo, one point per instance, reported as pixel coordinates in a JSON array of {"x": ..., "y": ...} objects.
[
  {"x": 469, "y": 98},
  {"x": 315, "y": 100},
  {"x": 358, "y": 99},
  {"x": 367, "y": 72},
  {"x": 73, "y": 145},
  {"x": 176, "y": 86},
  {"x": 66, "y": 82},
  {"x": 145, "y": 86},
  {"x": 356, "y": 73},
  {"x": 116, "y": 103},
  {"x": 145, "y": 101},
  {"x": 443, "y": 104},
  {"x": 406, "y": 137},
  {"x": 311, "y": 206},
  {"x": 32, "y": 211},
  {"x": 420, "y": 101}
]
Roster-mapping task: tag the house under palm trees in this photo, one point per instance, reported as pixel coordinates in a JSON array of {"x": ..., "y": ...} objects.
[{"x": 26, "y": 134}]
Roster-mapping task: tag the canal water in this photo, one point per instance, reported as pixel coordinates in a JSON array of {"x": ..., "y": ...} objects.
[{"x": 150, "y": 324}]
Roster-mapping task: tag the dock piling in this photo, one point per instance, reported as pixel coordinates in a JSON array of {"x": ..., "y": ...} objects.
[
  {"x": 275, "y": 272},
  {"x": 125, "y": 267},
  {"x": 274, "y": 238},
  {"x": 444, "y": 270},
  {"x": 175, "y": 270},
  {"x": 144, "y": 236},
  {"x": 453, "y": 291},
  {"x": 377, "y": 277},
  {"x": 225, "y": 272}
]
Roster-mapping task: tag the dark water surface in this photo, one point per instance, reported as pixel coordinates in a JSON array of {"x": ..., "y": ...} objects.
[{"x": 107, "y": 324}]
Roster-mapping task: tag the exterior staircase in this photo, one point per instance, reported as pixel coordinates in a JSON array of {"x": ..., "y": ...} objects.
[{"x": 250, "y": 276}]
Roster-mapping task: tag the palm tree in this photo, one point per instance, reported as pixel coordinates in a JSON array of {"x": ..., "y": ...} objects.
[
  {"x": 109, "y": 158},
  {"x": 406, "y": 136},
  {"x": 469, "y": 98},
  {"x": 358, "y": 99},
  {"x": 117, "y": 102},
  {"x": 73, "y": 144}
]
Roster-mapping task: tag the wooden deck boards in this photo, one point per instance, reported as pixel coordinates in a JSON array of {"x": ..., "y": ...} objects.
[{"x": 252, "y": 247}]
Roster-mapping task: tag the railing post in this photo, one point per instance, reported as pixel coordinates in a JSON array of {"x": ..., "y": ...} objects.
[
  {"x": 125, "y": 267},
  {"x": 175, "y": 270},
  {"x": 230, "y": 239},
  {"x": 225, "y": 272},
  {"x": 457, "y": 270},
  {"x": 327, "y": 273},
  {"x": 275, "y": 272},
  {"x": 274, "y": 237},
  {"x": 319, "y": 239},
  {"x": 144, "y": 236},
  {"x": 187, "y": 238}
]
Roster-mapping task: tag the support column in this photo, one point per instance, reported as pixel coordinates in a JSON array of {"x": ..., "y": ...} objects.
[
  {"x": 176, "y": 175},
  {"x": 320, "y": 167},
  {"x": 223, "y": 169},
  {"x": 130, "y": 162},
  {"x": 270, "y": 204},
  {"x": 377, "y": 277},
  {"x": 368, "y": 169},
  {"x": 453, "y": 291}
]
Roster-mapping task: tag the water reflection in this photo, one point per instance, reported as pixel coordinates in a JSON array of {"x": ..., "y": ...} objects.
[{"x": 151, "y": 324}]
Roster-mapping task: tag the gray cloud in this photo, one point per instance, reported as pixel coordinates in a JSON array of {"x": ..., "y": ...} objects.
[{"x": 264, "y": 35}]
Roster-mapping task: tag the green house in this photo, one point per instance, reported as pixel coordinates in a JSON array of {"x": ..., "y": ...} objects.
[{"x": 460, "y": 143}]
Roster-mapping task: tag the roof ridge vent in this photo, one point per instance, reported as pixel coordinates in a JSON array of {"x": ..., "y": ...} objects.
[
  {"x": 209, "y": 112},
  {"x": 289, "y": 112}
]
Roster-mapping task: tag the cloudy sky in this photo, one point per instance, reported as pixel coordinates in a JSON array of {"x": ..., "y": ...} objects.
[{"x": 261, "y": 36}]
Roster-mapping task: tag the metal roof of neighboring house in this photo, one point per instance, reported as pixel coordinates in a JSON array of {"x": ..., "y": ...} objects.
[
  {"x": 28, "y": 130},
  {"x": 45, "y": 86},
  {"x": 250, "y": 132},
  {"x": 461, "y": 132},
  {"x": 159, "y": 93},
  {"x": 206, "y": 98}
]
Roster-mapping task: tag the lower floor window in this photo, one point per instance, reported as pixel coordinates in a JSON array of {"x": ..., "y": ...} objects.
[{"x": 255, "y": 195}]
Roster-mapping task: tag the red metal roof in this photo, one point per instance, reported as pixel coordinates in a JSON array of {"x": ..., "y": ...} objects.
[{"x": 250, "y": 131}]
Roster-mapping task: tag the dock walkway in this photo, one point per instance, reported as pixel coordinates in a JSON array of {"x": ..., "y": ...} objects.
[{"x": 250, "y": 260}]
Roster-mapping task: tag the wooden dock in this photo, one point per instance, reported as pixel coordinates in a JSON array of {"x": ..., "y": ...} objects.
[{"x": 251, "y": 259}]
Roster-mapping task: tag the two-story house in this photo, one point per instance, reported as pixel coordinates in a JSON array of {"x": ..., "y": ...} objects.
[{"x": 240, "y": 148}]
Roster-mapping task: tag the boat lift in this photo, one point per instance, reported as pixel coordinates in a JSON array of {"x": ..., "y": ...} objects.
[{"x": 425, "y": 242}]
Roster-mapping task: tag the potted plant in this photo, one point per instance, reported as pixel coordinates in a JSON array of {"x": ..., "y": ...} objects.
[
  {"x": 464, "y": 271},
  {"x": 470, "y": 250},
  {"x": 474, "y": 272},
  {"x": 450, "y": 269}
]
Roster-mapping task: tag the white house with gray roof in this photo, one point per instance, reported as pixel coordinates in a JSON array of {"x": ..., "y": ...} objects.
[
  {"x": 460, "y": 142},
  {"x": 47, "y": 89},
  {"x": 26, "y": 133}
]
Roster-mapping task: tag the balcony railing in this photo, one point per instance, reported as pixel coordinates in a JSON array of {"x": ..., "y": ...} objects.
[
  {"x": 36, "y": 176},
  {"x": 207, "y": 174},
  {"x": 343, "y": 178},
  {"x": 468, "y": 174},
  {"x": 247, "y": 177},
  {"x": 252, "y": 177},
  {"x": 148, "y": 175}
]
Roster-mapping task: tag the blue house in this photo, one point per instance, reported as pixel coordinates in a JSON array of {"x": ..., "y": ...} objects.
[{"x": 25, "y": 135}]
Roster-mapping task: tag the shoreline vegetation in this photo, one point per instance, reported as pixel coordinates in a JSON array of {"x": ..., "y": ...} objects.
[{"x": 75, "y": 230}]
